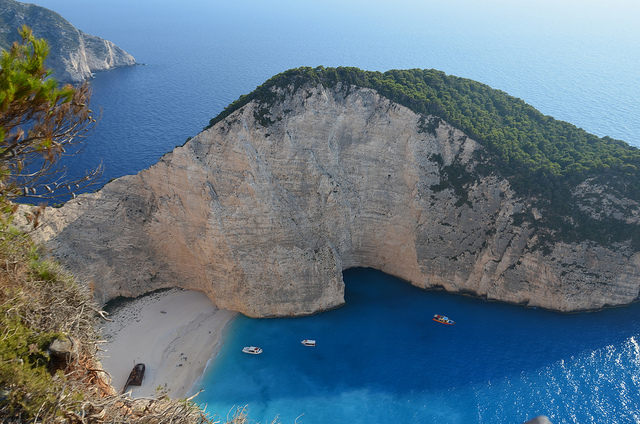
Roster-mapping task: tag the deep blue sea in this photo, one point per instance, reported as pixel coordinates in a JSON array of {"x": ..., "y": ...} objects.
[
  {"x": 380, "y": 358},
  {"x": 576, "y": 60}
]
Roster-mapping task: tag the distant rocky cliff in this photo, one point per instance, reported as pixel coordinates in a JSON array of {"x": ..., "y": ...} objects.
[
  {"x": 264, "y": 210},
  {"x": 74, "y": 55}
]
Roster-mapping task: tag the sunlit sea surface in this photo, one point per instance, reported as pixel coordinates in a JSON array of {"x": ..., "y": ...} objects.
[
  {"x": 576, "y": 60},
  {"x": 380, "y": 358}
]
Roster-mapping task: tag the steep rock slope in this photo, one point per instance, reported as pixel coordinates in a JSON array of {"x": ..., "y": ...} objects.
[
  {"x": 264, "y": 210},
  {"x": 74, "y": 55}
]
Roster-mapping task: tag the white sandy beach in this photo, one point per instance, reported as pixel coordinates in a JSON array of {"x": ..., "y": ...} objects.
[{"x": 174, "y": 333}]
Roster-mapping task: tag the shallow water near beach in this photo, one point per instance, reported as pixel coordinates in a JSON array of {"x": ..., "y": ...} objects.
[{"x": 381, "y": 358}]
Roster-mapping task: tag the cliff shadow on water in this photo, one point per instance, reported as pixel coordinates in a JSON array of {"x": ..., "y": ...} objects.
[
  {"x": 321, "y": 170},
  {"x": 383, "y": 344},
  {"x": 489, "y": 340}
]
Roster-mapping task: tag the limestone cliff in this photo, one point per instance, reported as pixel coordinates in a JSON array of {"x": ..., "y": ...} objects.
[
  {"x": 74, "y": 55},
  {"x": 264, "y": 218}
]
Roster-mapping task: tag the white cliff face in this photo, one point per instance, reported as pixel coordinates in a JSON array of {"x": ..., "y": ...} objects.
[
  {"x": 264, "y": 219},
  {"x": 93, "y": 54},
  {"x": 74, "y": 55}
]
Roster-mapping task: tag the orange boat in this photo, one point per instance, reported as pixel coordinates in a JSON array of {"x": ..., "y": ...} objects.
[{"x": 443, "y": 320}]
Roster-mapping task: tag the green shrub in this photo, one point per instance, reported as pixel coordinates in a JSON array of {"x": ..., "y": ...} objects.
[{"x": 543, "y": 158}]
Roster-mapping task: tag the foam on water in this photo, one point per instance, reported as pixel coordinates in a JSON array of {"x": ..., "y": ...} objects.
[{"x": 382, "y": 356}]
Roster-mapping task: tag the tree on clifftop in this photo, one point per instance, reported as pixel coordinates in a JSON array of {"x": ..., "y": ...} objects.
[{"x": 39, "y": 123}]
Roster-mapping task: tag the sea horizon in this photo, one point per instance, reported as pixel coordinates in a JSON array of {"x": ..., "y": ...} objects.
[{"x": 575, "y": 61}]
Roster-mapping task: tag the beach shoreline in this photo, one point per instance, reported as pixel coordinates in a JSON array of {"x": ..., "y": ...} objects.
[{"x": 176, "y": 333}]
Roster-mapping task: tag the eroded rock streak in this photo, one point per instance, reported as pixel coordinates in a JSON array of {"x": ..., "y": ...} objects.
[{"x": 265, "y": 209}]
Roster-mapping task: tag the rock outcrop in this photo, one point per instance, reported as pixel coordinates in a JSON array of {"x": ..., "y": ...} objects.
[
  {"x": 264, "y": 210},
  {"x": 74, "y": 55}
]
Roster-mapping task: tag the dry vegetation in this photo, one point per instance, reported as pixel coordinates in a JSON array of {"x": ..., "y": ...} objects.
[
  {"x": 48, "y": 343},
  {"x": 40, "y": 303}
]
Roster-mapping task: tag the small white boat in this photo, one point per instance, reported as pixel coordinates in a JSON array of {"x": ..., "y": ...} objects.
[
  {"x": 252, "y": 350},
  {"x": 308, "y": 342}
]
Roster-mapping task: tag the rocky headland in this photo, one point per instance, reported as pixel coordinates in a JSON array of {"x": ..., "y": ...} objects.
[
  {"x": 74, "y": 55},
  {"x": 263, "y": 210}
]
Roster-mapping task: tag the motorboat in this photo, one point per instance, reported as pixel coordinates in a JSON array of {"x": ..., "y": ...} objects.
[
  {"x": 308, "y": 342},
  {"x": 443, "y": 320},
  {"x": 253, "y": 350}
]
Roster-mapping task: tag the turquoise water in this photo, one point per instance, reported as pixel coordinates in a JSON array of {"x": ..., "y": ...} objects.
[{"x": 382, "y": 359}]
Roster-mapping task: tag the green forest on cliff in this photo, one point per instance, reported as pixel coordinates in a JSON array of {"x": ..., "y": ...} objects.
[
  {"x": 45, "y": 22},
  {"x": 541, "y": 156},
  {"x": 523, "y": 141},
  {"x": 49, "y": 368}
]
